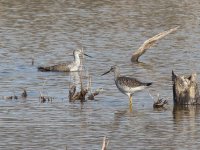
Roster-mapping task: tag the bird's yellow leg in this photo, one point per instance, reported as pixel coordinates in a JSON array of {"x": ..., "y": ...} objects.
[
  {"x": 130, "y": 103},
  {"x": 130, "y": 100}
]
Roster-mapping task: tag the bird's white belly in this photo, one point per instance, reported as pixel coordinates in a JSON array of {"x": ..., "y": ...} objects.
[
  {"x": 131, "y": 90},
  {"x": 74, "y": 67}
]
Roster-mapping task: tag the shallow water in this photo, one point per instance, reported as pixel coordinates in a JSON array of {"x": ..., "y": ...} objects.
[{"x": 48, "y": 31}]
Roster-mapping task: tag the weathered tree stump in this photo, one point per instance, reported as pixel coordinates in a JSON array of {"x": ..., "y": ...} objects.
[{"x": 185, "y": 90}]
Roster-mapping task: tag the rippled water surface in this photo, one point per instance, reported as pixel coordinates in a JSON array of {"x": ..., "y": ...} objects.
[{"x": 48, "y": 31}]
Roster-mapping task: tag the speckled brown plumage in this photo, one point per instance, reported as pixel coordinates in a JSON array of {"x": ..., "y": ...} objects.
[
  {"x": 127, "y": 85},
  {"x": 130, "y": 82},
  {"x": 57, "y": 68}
]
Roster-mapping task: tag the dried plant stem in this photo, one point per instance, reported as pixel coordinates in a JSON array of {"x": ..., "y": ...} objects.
[
  {"x": 90, "y": 84},
  {"x": 105, "y": 143}
]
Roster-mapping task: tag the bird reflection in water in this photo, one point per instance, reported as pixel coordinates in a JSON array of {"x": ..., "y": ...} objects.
[{"x": 75, "y": 78}]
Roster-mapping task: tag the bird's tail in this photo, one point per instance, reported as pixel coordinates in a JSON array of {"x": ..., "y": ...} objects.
[
  {"x": 43, "y": 69},
  {"x": 148, "y": 84}
]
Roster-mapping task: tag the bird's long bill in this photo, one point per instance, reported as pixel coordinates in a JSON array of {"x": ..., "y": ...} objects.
[
  {"x": 105, "y": 73},
  {"x": 87, "y": 55}
]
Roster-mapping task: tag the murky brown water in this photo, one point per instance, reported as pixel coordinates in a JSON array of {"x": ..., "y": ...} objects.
[{"x": 109, "y": 31}]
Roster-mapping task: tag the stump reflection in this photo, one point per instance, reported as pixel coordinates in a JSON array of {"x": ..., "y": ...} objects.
[{"x": 182, "y": 112}]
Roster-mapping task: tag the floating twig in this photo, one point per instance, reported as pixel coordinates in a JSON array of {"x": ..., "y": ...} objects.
[
  {"x": 95, "y": 93},
  {"x": 23, "y": 95},
  {"x": 10, "y": 97},
  {"x": 160, "y": 103},
  {"x": 44, "y": 99}
]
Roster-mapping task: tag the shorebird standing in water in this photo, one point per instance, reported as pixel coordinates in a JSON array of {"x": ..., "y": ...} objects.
[
  {"x": 66, "y": 67},
  {"x": 127, "y": 85}
]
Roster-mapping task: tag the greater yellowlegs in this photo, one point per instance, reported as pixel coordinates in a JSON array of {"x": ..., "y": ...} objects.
[
  {"x": 66, "y": 67},
  {"x": 127, "y": 85}
]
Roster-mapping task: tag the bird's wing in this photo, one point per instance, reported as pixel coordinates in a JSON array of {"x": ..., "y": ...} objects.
[
  {"x": 59, "y": 67},
  {"x": 130, "y": 82}
]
